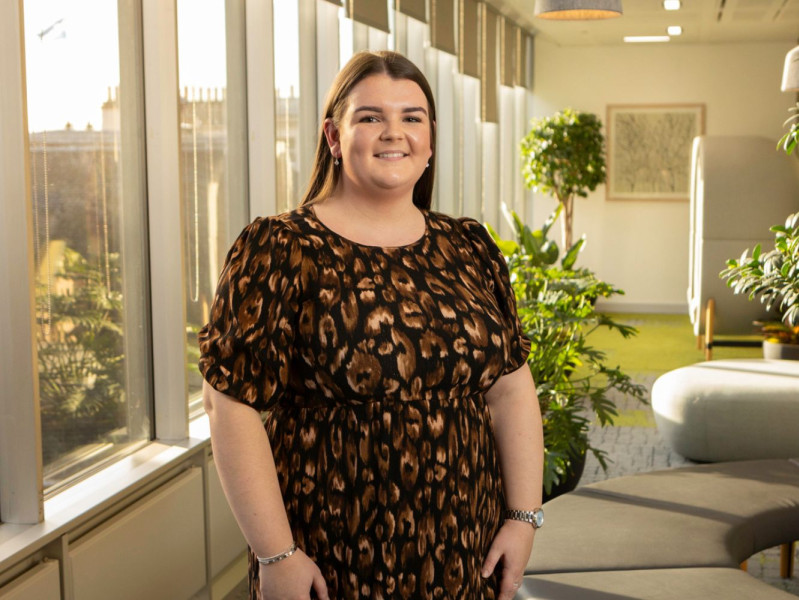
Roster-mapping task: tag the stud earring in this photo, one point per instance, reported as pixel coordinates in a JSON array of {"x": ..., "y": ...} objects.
[{"x": 427, "y": 166}]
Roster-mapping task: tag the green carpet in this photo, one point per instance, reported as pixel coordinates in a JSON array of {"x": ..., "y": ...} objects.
[{"x": 663, "y": 343}]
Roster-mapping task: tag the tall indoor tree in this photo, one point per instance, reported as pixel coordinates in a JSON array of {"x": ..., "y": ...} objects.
[{"x": 564, "y": 155}]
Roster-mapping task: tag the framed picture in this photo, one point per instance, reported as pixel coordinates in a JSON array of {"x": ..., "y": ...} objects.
[{"x": 649, "y": 150}]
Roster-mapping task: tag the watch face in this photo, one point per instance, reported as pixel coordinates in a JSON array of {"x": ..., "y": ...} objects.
[{"x": 538, "y": 518}]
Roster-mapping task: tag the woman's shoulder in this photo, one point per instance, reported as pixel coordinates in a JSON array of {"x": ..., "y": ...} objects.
[
  {"x": 466, "y": 227},
  {"x": 286, "y": 226}
]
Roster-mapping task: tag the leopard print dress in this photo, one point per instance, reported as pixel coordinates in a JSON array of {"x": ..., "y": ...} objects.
[{"x": 371, "y": 364}]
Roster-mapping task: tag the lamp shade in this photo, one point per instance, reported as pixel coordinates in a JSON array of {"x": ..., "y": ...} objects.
[
  {"x": 790, "y": 74},
  {"x": 573, "y": 10}
]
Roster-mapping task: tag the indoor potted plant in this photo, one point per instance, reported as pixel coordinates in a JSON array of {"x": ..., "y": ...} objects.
[
  {"x": 557, "y": 308},
  {"x": 773, "y": 278},
  {"x": 564, "y": 155}
]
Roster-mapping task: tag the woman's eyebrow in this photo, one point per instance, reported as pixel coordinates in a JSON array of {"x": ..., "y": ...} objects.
[{"x": 377, "y": 109}]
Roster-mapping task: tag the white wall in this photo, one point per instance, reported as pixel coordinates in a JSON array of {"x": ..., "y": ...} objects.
[{"x": 642, "y": 247}]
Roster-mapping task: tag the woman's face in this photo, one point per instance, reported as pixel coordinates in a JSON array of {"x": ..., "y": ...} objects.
[{"x": 383, "y": 138}]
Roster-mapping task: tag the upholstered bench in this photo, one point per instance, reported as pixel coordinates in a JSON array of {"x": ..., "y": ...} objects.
[
  {"x": 693, "y": 524},
  {"x": 658, "y": 584},
  {"x": 730, "y": 409}
]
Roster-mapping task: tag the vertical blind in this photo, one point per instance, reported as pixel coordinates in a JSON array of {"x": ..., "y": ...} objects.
[
  {"x": 469, "y": 46},
  {"x": 507, "y": 52},
  {"x": 413, "y": 8},
  {"x": 442, "y": 25},
  {"x": 373, "y": 13}
]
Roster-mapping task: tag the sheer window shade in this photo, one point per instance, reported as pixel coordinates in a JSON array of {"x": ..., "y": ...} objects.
[
  {"x": 442, "y": 26},
  {"x": 413, "y": 8},
  {"x": 489, "y": 109},
  {"x": 373, "y": 13},
  {"x": 508, "y": 44},
  {"x": 469, "y": 46}
]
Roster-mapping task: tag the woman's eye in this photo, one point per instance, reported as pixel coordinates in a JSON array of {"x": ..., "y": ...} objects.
[
  {"x": 414, "y": 119},
  {"x": 369, "y": 119}
]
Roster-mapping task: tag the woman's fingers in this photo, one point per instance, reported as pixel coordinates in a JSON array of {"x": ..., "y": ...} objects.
[
  {"x": 320, "y": 586},
  {"x": 511, "y": 582}
]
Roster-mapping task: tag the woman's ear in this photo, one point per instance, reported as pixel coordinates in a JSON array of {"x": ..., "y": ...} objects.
[{"x": 332, "y": 137}]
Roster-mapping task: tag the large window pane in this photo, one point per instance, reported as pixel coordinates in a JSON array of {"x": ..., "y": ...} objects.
[
  {"x": 287, "y": 103},
  {"x": 204, "y": 145},
  {"x": 89, "y": 324}
]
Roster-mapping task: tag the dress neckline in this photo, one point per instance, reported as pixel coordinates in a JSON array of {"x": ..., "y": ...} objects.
[{"x": 310, "y": 211}]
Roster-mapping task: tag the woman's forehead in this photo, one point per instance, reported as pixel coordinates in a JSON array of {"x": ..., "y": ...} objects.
[{"x": 379, "y": 89}]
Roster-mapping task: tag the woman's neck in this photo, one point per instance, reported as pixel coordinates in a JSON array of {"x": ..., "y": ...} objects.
[{"x": 382, "y": 221}]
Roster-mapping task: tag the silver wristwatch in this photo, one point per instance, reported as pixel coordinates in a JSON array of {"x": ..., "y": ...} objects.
[{"x": 534, "y": 517}]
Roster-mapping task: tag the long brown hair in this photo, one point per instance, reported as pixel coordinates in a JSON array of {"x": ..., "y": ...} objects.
[{"x": 325, "y": 176}]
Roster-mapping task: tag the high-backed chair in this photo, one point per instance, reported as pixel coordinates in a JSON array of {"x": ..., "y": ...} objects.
[{"x": 740, "y": 187}]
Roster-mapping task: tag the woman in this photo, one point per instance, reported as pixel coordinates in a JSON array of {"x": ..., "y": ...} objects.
[{"x": 383, "y": 341}]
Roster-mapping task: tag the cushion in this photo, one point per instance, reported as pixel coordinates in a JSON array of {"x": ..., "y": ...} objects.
[{"x": 714, "y": 515}]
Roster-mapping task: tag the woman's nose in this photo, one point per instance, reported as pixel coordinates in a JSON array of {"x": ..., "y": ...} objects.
[{"x": 392, "y": 129}]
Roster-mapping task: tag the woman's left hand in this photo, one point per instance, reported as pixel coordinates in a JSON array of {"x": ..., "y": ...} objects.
[{"x": 511, "y": 547}]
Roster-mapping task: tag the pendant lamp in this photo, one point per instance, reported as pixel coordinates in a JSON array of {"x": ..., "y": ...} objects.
[
  {"x": 574, "y": 10},
  {"x": 790, "y": 74}
]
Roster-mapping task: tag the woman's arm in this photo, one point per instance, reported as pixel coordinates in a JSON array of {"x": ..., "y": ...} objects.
[
  {"x": 246, "y": 467},
  {"x": 520, "y": 443}
]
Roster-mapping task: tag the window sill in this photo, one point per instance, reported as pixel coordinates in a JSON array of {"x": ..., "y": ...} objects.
[{"x": 69, "y": 510}]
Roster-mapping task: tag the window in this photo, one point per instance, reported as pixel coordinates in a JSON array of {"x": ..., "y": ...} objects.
[
  {"x": 203, "y": 159},
  {"x": 287, "y": 104},
  {"x": 89, "y": 268}
]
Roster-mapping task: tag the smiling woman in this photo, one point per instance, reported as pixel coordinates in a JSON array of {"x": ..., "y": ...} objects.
[{"x": 403, "y": 449}]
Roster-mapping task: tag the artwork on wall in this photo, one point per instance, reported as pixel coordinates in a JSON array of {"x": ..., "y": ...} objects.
[{"x": 649, "y": 150}]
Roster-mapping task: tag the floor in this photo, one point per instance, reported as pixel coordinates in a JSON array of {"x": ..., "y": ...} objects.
[{"x": 635, "y": 446}]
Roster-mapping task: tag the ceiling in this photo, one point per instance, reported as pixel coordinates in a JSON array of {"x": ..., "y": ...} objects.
[{"x": 703, "y": 21}]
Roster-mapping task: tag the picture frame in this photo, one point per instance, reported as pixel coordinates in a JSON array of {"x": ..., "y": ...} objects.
[{"x": 649, "y": 150}]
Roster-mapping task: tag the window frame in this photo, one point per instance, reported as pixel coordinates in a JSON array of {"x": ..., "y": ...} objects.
[{"x": 21, "y": 500}]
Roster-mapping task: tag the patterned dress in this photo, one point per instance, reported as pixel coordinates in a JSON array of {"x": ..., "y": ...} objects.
[{"x": 372, "y": 364}]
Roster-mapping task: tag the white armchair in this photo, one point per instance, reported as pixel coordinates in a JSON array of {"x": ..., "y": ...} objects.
[{"x": 740, "y": 187}]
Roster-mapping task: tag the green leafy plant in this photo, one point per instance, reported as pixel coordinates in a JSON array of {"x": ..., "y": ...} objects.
[
  {"x": 81, "y": 358},
  {"x": 564, "y": 155},
  {"x": 557, "y": 308},
  {"x": 773, "y": 276}
]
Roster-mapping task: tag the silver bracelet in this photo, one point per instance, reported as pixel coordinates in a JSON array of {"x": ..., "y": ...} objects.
[{"x": 270, "y": 560}]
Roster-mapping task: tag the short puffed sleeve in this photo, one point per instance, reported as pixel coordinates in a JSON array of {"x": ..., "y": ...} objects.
[
  {"x": 246, "y": 347},
  {"x": 498, "y": 279}
]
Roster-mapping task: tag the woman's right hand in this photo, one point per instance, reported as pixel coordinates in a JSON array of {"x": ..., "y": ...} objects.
[{"x": 292, "y": 579}]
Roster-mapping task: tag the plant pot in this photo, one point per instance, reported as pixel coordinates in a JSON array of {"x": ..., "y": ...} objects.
[
  {"x": 569, "y": 481},
  {"x": 776, "y": 350}
]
